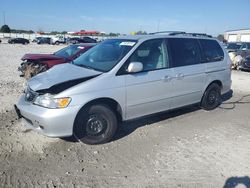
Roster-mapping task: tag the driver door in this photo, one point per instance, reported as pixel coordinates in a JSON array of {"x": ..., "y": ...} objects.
[{"x": 149, "y": 91}]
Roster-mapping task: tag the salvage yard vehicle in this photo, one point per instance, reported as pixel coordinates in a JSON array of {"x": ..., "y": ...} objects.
[
  {"x": 122, "y": 79},
  {"x": 244, "y": 64},
  {"x": 36, "y": 63},
  {"x": 18, "y": 41},
  {"x": 238, "y": 56},
  {"x": 36, "y": 39},
  {"x": 76, "y": 40},
  {"x": 233, "y": 46},
  {"x": 43, "y": 40},
  {"x": 58, "y": 39}
]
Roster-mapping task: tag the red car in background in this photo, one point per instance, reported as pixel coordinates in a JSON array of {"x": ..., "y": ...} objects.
[{"x": 36, "y": 63}]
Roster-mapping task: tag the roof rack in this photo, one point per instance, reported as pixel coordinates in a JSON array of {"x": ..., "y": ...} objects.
[
  {"x": 167, "y": 32},
  {"x": 172, "y": 33},
  {"x": 198, "y": 35}
]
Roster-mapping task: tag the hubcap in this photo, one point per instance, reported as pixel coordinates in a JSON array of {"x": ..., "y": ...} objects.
[
  {"x": 212, "y": 97},
  {"x": 96, "y": 125}
]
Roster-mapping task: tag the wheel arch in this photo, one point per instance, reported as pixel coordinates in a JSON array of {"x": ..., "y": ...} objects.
[
  {"x": 218, "y": 82},
  {"x": 113, "y": 104}
]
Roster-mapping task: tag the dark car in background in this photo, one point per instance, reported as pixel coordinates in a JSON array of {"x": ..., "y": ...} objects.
[
  {"x": 44, "y": 40},
  {"x": 76, "y": 40},
  {"x": 241, "y": 59},
  {"x": 36, "y": 39},
  {"x": 233, "y": 46},
  {"x": 245, "y": 64},
  {"x": 18, "y": 41},
  {"x": 36, "y": 63},
  {"x": 244, "y": 50}
]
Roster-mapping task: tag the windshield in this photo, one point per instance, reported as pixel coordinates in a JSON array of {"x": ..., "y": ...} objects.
[
  {"x": 233, "y": 46},
  {"x": 104, "y": 56},
  {"x": 68, "y": 51}
]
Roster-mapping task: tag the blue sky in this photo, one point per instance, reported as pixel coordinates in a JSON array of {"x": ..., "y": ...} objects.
[{"x": 124, "y": 16}]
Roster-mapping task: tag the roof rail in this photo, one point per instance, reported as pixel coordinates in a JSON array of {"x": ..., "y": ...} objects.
[
  {"x": 195, "y": 34},
  {"x": 172, "y": 33},
  {"x": 200, "y": 35},
  {"x": 167, "y": 32}
]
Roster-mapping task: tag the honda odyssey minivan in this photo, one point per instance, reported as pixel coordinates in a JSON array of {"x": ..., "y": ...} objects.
[{"x": 122, "y": 79}]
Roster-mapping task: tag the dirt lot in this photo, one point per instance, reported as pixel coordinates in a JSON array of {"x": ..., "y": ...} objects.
[{"x": 184, "y": 148}]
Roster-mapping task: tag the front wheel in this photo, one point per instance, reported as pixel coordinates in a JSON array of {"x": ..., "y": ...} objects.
[
  {"x": 95, "y": 125},
  {"x": 212, "y": 97}
]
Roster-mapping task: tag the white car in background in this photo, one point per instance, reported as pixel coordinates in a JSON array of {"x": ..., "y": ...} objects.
[{"x": 58, "y": 39}]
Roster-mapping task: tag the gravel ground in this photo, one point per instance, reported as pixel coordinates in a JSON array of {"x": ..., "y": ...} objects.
[{"x": 184, "y": 148}]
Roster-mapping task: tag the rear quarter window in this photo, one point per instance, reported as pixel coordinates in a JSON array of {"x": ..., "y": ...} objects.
[{"x": 212, "y": 51}]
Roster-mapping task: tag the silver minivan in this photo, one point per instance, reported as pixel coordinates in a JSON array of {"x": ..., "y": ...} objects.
[{"x": 122, "y": 79}]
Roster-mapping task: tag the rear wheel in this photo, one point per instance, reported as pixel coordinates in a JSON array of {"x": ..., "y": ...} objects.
[
  {"x": 212, "y": 97},
  {"x": 95, "y": 125}
]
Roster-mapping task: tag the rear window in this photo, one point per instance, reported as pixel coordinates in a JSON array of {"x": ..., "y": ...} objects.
[
  {"x": 211, "y": 50},
  {"x": 184, "y": 52}
]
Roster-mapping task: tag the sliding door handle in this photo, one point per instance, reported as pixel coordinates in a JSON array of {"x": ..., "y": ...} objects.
[
  {"x": 180, "y": 76},
  {"x": 167, "y": 78}
]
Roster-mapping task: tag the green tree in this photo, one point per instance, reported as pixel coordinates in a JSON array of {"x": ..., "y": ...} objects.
[
  {"x": 5, "y": 29},
  {"x": 113, "y": 34},
  {"x": 221, "y": 38},
  {"x": 141, "y": 33}
]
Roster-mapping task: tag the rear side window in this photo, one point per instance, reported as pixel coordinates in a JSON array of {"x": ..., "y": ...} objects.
[
  {"x": 184, "y": 52},
  {"x": 211, "y": 50}
]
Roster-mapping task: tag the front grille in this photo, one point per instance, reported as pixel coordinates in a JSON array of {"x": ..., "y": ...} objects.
[{"x": 30, "y": 95}]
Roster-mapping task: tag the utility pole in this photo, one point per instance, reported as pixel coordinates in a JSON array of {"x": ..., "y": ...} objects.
[
  {"x": 3, "y": 17},
  {"x": 158, "y": 25}
]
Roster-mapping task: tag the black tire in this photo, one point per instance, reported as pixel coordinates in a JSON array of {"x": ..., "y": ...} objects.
[
  {"x": 212, "y": 97},
  {"x": 95, "y": 125},
  {"x": 57, "y": 43}
]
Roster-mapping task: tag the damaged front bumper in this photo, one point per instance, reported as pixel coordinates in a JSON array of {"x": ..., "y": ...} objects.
[{"x": 50, "y": 122}]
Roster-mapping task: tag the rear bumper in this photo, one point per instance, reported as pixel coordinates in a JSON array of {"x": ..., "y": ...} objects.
[
  {"x": 49, "y": 122},
  {"x": 226, "y": 86}
]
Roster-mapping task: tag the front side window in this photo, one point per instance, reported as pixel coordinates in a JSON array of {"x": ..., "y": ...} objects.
[
  {"x": 152, "y": 54},
  {"x": 104, "y": 56},
  {"x": 211, "y": 50},
  {"x": 184, "y": 51}
]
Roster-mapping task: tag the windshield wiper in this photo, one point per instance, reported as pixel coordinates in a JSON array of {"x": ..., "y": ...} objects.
[{"x": 88, "y": 67}]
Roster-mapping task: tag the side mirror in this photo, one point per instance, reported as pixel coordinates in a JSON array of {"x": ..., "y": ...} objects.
[{"x": 135, "y": 67}]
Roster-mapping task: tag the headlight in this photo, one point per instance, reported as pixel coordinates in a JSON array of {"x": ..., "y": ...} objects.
[{"x": 49, "y": 101}]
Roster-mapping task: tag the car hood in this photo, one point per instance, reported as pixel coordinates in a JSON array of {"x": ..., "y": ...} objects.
[
  {"x": 40, "y": 56},
  {"x": 61, "y": 77}
]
